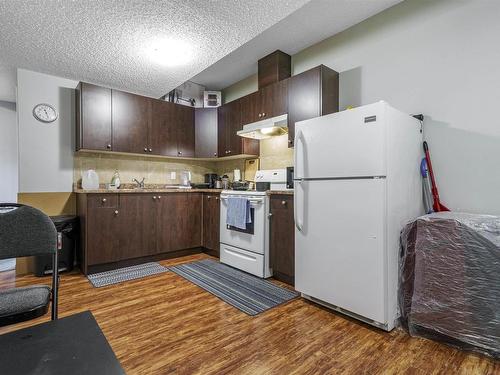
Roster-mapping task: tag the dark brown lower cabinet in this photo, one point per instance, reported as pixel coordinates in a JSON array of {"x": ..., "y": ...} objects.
[
  {"x": 179, "y": 222},
  {"x": 103, "y": 224},
  {"x": 121, "y": 227},
  {"x": 211, "y": 222},
  {"x": 137, "y": 222},
  {"x": 282, "y": 238}
]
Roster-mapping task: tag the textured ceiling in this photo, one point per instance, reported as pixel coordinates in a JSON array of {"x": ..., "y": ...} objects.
[
  {"x": 315, "y": 21},
  {"x": 109, "y": 42}
]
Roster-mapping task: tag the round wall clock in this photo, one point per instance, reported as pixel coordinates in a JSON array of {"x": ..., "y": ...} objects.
[{"x": 45, "y": 113}]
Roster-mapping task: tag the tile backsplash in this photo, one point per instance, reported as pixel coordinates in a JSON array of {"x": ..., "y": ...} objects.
[
  {"x": 156, "y": 171},
  {"x": 274, "y": 154}
]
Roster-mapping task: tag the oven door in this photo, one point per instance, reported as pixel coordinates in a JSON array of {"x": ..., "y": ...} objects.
[{"x": 251, "y": 239}]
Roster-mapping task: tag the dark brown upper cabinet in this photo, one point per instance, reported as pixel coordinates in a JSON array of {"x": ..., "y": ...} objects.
[
  {"x": 114, "y": 120},
  {"x": 184, "y": 118},
  {"x": 131, "y": 120},
  {"x": 172, "y": 129},
  {"x": 228, "y": 118},
  {"x": 268, "y": 102},
  {"x": 273, "y": 68},
  {"x": 250, "y": 108},
  {"x": 311, "y": 94},
  {"x": 93, "y": 117},
  {"x": 228, "y": 124},
  {"x": 163, "y": 134},
  {"x": 205, "y": 120}
]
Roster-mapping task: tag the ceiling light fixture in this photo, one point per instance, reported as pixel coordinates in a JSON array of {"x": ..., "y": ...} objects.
[{"x": 170, "y": 52}]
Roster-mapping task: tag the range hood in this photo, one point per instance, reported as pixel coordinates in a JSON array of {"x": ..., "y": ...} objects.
[{"x": 265, "y": 128}]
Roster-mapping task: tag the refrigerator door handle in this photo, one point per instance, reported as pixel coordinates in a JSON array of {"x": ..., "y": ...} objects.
[
  {"x": 299, "y": 140},
  {"x": 298, "y": 224}
]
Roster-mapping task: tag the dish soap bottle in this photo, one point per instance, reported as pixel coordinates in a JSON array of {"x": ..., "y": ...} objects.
[{"x": 115, "y": 180}]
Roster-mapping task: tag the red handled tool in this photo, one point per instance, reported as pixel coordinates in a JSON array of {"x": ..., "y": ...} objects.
[{"x": 437, "y": 206}]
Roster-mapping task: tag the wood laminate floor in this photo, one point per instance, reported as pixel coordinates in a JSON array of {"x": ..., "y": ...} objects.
[{"x": 163, "y": 324}]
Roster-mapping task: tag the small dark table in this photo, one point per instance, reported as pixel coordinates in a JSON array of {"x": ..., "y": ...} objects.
[{"x": 72, "y": 345}]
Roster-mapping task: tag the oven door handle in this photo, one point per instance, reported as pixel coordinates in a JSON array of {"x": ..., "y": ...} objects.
[{"x": 256, "y": 200}]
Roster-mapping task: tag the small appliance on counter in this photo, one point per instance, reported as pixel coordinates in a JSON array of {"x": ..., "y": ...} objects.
[
  {"x": 271, "y": 179},
  {"x": 225, "y": 182},
  {"x": 211, "y": 180},
  {"x": 185, "y": 180}
]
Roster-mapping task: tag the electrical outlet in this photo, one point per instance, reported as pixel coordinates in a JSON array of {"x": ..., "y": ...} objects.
[{"x": 173, "y": 175}]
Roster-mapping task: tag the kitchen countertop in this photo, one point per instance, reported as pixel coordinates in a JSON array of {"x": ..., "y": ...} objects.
[
  {"x": 165, "y": 190},
  {"x": 145, "y": 190},
  {"x": 279, "y": 192}
]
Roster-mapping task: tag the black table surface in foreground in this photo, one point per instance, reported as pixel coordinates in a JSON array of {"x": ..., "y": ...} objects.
[{"x": 73, "y": 345}]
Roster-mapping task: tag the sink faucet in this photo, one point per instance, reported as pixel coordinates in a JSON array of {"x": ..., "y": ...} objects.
[{"x": 140, "y": 184}]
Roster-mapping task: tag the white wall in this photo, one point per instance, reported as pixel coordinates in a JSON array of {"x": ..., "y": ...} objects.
[
  {"x": 8, "y": 152},
  {"x": 8, "y": 163},
  {"x": 45, "y": 150},
  {"x": 439, "y": 58}
]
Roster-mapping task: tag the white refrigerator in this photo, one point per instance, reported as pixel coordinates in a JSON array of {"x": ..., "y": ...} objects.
[{"x": 356, "y": 184}]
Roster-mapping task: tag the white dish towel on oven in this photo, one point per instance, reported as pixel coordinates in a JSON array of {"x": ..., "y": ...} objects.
[{"x": 238, "y": 212}]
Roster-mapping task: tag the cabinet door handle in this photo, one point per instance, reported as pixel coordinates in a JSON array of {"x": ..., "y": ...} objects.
[
  {"x": 229, "y": 152},
  {"x": 104, "y": 200},
  {"x": 216, "y": 198},
  {"x": 215, "y": 154},
  {"x": 150, "y": 150},
  {"x": 145, "y": 149},
  {"x": 179, "y": 152},
  {"x": 208, "y": 197},
  {"x": 269, "y": 215},
  {"x": 283, "y": 203},
  {"x": 108, "y": 146},
  {"x": 260, "y": 114},
  {"x": 264, "y": 114},
  {"x": 159, "y": 196},
  {"x": 116, "y": 212},
  {"x": 154, "y": 197}
]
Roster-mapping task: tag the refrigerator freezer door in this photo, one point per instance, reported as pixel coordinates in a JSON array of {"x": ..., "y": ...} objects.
[
  {"x": 350, "y": 143},
  {"x": 340, "y": 253}
]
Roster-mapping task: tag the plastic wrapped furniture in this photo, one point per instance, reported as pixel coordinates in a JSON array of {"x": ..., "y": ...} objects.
[{"x": 449, "y": 280}]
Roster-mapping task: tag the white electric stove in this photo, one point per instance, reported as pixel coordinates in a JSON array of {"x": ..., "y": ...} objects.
[{"x": 246, "y": 249}]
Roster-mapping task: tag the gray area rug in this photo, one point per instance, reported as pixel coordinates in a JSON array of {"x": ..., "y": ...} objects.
[
  {"x": 246, "y": 292},
  {"x": 124, "y": 274}
]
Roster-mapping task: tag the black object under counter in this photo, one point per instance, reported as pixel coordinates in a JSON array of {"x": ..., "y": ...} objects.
[
  {"x": 73, "y": 345},
  {"x": 68, "y": 232}
]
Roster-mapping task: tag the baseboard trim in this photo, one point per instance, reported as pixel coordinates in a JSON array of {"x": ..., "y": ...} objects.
[
  {"x": 132, "y": 262},
  {"x": 211, "y": 252}
]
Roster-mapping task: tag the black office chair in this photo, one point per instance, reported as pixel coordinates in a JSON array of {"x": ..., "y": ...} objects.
[{"x": 26, "y": 231}]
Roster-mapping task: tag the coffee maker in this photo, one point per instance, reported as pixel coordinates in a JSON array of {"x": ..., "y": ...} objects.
[{"x": 211, "y": 180}]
